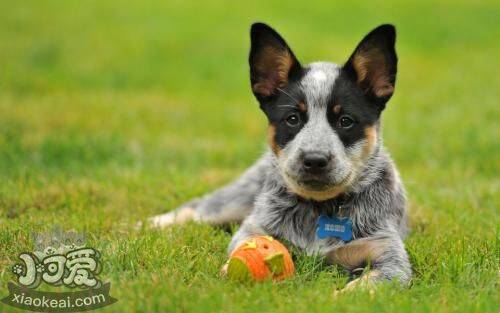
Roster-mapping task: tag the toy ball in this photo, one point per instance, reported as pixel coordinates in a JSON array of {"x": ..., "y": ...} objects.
[{"x": 260, "y": 258}]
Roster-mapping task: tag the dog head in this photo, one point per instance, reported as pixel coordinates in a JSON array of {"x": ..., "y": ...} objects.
[{"x": 323, "y": 118}]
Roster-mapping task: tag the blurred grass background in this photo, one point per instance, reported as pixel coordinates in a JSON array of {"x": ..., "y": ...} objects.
[{"x": 114, "y": 111}]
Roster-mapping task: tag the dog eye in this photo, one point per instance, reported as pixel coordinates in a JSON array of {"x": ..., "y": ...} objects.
[
  {"x": 293, "y": 120},
  {"x": 345, "y": 122}
]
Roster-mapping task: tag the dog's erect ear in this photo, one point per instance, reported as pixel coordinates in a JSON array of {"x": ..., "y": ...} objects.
[
  {"x": 272, "y": 63},
  {"x": 373, "y": 65}
]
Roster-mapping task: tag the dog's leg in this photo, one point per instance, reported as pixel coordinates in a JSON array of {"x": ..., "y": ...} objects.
[
  {"x": 231, "y": 203},
  {"x": 384, "y": 253}
]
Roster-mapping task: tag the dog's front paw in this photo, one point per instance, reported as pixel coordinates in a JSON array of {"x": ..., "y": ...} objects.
[
  {"x": 364, "y": 282},
  {"x": 223, "y": 270}
]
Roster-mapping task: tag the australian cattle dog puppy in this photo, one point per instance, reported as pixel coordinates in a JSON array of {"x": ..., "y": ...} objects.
[{"x": 326, "y": 183}]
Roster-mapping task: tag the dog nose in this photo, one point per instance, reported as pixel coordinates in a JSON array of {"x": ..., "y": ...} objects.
[{"x": 315, "y": 161}]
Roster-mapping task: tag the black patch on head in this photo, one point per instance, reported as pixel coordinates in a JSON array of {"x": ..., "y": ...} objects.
[
  {"x": 353, "y": 104},
  {"x": 366, "y": 82},
  {"x": 278, "y": 108},
  {"x": 274, "y": 75}
]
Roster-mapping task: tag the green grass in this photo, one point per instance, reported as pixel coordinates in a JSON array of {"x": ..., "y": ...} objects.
[{"x": 114, "y": 111}]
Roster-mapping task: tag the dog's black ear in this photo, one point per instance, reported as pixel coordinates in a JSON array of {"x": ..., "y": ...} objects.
[
  {"x": 272, "y": 62},
  {"x": 373, "y": 65}
]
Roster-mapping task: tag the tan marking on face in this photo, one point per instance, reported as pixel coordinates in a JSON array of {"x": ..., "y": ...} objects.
[
  {"x": 302, "y": 107},
  {"x": 271, "y": 134},
  {"x": 371, "y": 140},
  {"x": 358, "y": 253},
  {"x": 337, "y": 108}
]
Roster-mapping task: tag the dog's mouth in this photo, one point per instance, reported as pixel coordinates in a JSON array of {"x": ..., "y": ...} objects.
[
  {"x": 319, "y": 189},
  {"x": 318, "y": 182},
  {"x": 314, "y": 184},
  {"x": 322, "y": 182}
]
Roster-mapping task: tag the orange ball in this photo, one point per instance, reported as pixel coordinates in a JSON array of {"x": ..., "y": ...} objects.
[{"x": 260, "y": 258}]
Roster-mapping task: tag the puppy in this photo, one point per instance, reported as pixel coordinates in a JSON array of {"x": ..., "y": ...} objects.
[{"x": 326, "y": 184}]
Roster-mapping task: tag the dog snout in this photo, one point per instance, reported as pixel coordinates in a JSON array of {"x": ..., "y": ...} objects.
[{"x": 315, "y": 161}]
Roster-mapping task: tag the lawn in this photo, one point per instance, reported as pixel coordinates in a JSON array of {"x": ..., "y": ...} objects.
[{"x": 114, "y": 111}]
